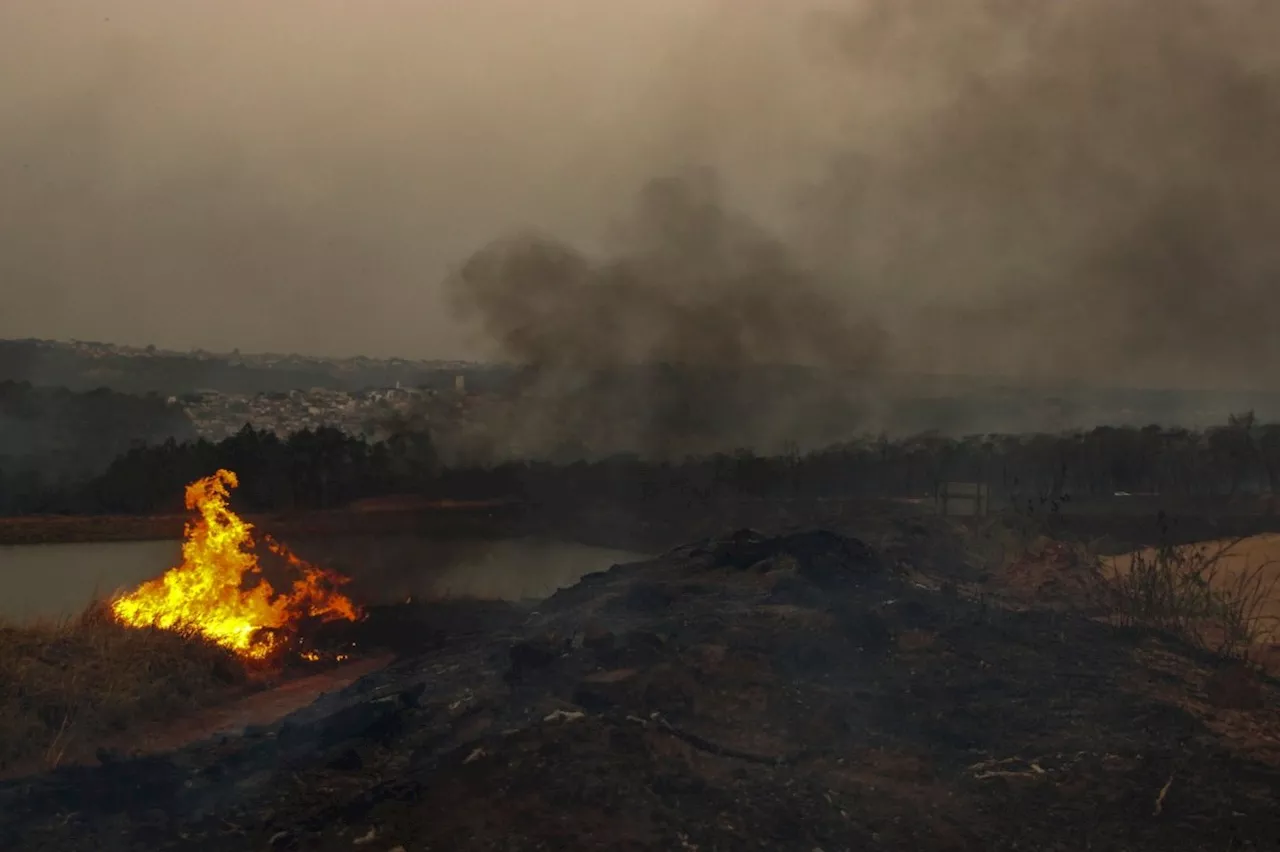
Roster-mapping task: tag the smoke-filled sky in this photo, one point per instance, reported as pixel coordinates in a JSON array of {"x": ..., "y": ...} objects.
[{"x": 1082, "y": 188}]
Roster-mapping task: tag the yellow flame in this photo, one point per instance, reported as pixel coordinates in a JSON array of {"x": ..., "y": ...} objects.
[{"x": 206, "y": 592}]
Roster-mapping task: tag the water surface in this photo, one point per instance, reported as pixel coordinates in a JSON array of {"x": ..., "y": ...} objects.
[{"x": 53, "y": 581}]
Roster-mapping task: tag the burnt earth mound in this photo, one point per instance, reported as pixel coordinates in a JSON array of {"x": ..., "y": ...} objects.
[
  {"x": 750, "y": 692},
  {"x": 824, "y": 559}
]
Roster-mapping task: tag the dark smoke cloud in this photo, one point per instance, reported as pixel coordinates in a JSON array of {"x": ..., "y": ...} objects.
[
  {"x": 690, "y": 283},
  {"x": 1080, "y": 191},
  {"x": 660, "y": 346}
]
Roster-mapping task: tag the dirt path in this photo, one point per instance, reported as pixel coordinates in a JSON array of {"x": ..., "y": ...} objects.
[{"x": 260, "y": 709}]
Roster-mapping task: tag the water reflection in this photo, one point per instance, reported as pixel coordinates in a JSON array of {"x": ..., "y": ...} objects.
[{"x": 52, "y": 581}]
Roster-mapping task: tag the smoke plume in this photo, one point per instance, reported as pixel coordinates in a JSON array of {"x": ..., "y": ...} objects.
[
  {"x": 1073, "y": 192},
  {"x": 662, "y": 344},
  {"x": 1078, "y": 190},
  {"x": 690, "y": 283}
]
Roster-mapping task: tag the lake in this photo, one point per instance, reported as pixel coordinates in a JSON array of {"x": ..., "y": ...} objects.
[{"x": 53, "y": 581}]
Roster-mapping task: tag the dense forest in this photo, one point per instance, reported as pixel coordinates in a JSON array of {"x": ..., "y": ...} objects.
[{"x": 327, "y": 468}]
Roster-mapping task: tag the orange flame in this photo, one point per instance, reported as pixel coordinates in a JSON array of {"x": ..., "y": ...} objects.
[{"x": 205, "y": 592}]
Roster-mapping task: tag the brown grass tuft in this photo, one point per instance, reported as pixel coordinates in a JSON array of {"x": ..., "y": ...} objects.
[
  {"x": 1186, "y": 590},
  {"x": 67, "y": 688}
]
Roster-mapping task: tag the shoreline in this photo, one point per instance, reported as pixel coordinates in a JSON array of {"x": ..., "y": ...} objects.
[
  {"x": 646, "y": 525},
  {"x": 439, "y": 517}
]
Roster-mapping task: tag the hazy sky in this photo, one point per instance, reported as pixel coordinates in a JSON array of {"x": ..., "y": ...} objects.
[
  {"x": 300, "y": 175},
  {"x": 1028, "y": 186}
]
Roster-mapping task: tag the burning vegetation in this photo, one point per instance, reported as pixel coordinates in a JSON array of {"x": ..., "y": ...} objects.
[{"x": 207, "y": 593}]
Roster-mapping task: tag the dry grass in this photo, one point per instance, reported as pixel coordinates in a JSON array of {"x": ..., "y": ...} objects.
[
  {"x": 1203, "y": 593},
  {"x": 67, "y": 688},
  {"x": 1223, "y": 596}
]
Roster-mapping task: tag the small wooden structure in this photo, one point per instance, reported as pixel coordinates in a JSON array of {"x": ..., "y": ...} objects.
[{"x": 962, "y": 498}]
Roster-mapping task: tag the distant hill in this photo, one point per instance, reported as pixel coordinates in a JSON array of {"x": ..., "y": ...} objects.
[
  {"x": 826, "y": 402},
  {"x": 82, "y": 366}
]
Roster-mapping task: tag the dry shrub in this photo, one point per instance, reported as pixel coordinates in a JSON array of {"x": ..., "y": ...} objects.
[
  {"x": 69, "y": 687},
  {"x": 1185, "y": 591}
]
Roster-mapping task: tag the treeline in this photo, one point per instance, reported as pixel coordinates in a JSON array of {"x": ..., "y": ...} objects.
[
  {"x": 324, "y": 468},
  {"x": 1241, "y": 457},
  {"x": 328, "y": 468},
  {"x": 52, "y": 439}
]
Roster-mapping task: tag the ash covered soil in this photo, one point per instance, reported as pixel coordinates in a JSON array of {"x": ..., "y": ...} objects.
[{"x": 800, "y": 691}]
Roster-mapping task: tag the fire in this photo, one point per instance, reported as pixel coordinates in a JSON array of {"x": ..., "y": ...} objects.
[{"x": 205, "y": 593}]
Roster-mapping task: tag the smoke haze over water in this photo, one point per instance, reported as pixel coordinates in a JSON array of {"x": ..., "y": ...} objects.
[{"x": 1082, "y": 189}]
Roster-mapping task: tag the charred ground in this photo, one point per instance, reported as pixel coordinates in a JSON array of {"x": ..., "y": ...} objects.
[{"x": 783, "y": 690}]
